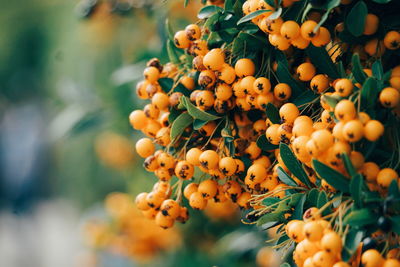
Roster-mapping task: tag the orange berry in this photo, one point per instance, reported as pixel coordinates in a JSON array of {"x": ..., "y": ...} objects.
[
  {"x": 209, "y": 159},
  {"x": 353, "y": 131},
  {"x": 319, "y": 83},
  {"x": 184, "y": 170},
  {"x": 138, "y": 119},
  {"x": 307, "y": 29},
  {"x": 345, "y": 110},
  {"x": 190, "y": 189},
  {"x": 386, "y": 176},
  {"x": 373, "y": 129},
  {"x": 214, "y": 59},
  {"x": 181, "y": 40},
  {"x": 193, "y": 32},
  {"x": 197, "y": 201},
  {"x": 372, "y": 258},
  {"x": 371, "y": 24},
  {"x": 208, "y": 189},
  {"x": 323, "y": 38},
  {"x": 290, "y": 29},
  {"x": 344, "y": 87},
  {"x": 306, "y": 71},
  {"x": 282, "y": 91},
  {"x": 392, "y": 40},
  {"x": 244, "y": 67},
  {"x": 170, "y": 208},
  {"x": 145, "y": 147},
  {"x": 389, "y": 97}
]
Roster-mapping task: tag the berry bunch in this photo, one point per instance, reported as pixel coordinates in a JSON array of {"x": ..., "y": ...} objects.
[{"x": 128, "y": 233}]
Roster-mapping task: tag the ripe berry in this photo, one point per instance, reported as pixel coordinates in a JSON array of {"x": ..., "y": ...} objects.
[
  {"x": 279, "y": 41},
  {"x": 181, "y": 40},
  {"x": 282, "y": 91},
  {"x": 300, "y": 42},
  {"x": 345, "y": 110},
  {"x": 214, "y": 59},
  {"x": 392, "y": 40},
  {"x": 290, "y": 29},
  {"x": 227, "y": 74},
  {"x": 151, "y": 74},
  {"x": 386, "y": 176},
  {"x": 288, "y": 113},
  {"x": 206, "y": 79},
  {"x": 193, "y": 32},
  {"x": 331, "y": 242},
  {"x": 323, "y": 38},
  {"x": 323, "y": 259},
  {"x": 138, "y": 119},
  {"x": 353, "y": 131},
  {"x": 170, "y": 208},
  {"x": 389, "y": 97},
  {"x": 208, "y": 188},
  {"x": 154, "y": 200},
  {"x": 344, "y": 87},
  {"x": 205, "y": 100},
  {"x": 313, "y": 231},
  {"x": 307, "y": 29},
  {"x": 373, "y": 129},
  {"x": 262, "y": 85},
  {"x": 188, "y": 82},
  {"x": 227, "y": 166},
  {"x": 243, "y": 200},
  {"x": 253, "y": 151},
  {"x": 372, "y": 258},
  {"x": 145, "y": 147},
  {"x": 209, "y": 159},
  {"x": 306, "y": 71},
  {"x": 371, "y": 24},
  {"x": 141, "y": 202},
  {"x": 192, "y": 156},
  {"x": 164, "y": 221},
  {"x": 319, "y": 83},
  {"x": 197, "y": 201},
  {"x": 190, "y": 189},
  {"x": 184, "y": 170},
  {"x": 244, "y": 67},
  {"x": 232, "y": 190}
]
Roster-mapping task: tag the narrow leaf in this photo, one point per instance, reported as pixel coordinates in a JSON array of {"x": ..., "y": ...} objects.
[
  {"x": 207, "y": 11},
  {"x": 293, "y": 164},
  {"x": 322, "y": 61},
  {"x": 262, "y": 142},
  {"x": 273, "y": 113},
  {"x": 355, "y": 20},
  {"x": 359, "y": 218},
  {"x": 252, "y": 15},
  {"x": 357, "y": 70},
  {"x": 197, "y": 113},
  {"x": 356, "y": 187},
  {"x": 285, "y": 178},
  {"x": 179, "y": 125},
  {"x": 331, "y": 176}
]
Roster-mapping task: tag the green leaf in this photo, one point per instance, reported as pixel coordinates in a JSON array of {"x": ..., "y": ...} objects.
[
  {"x": 332, "y": 101},
  {"x": 169, "y": 30},
  {"x": 166, "y": 84},
  {"x": 382, "y": 1},
  {"x": 185, "y": 3},
  {"x": 348, "y": 164},
  {"x": 198, "y": 124},
  {"x": 331, "y": 176},
  {"x": 172, "y": 55},
  {"x": 355, "y": 20},
  {"x": 252, "y": 15},
  {"x": 270, "y": 201},
  {"x": 293, "y": 164},
  {"x": 173, "y": 114},
  {"x": 207, "y": 11},
  {"x": 197, "y": 113},
  {"x": 322, "y": 61},
  {"x": 359, "y": 218},
  {"x": 357, "y": 69},
  {"x": 356, "y": 187},
  {"x": 395, "y": 224},
  {"x": 212, "y": 20},
  {"x": 262, "y": 142},
  {"x": 306, "y": 97},
  {"x": 226, "y": 133},
  {"x": 377, "y": 69},
  {"x": 285, "y": 265},
  {"x": 312, "y": 197},
  {"x": 229, "y": 5},
  {"x": 322, "y": 199},
  {"x": 369, "y": 93},
  {"x": 284, "y": 76},
  {"x": 273, "y": 113},
  {"x": 179, "y": 124},
  {"x": 285, "y": 178},
  {"x": 299, "y": 208},
  {"x": 276, "y": 14},
  {"x": 271, "y": 217},
  {"x": 351, "y": 243}
]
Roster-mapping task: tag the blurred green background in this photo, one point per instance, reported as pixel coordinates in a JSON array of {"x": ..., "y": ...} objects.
[{"x": 67, "y": 76}]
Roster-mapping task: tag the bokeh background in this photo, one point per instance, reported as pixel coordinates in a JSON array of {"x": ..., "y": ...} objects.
[{"x": 67, "y": 76}]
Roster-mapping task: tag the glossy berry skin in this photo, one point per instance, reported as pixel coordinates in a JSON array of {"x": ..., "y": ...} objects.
[
  {"x": 197, "y": 201},
  {"x": 384, "y": 224},
  {"x": 209, "y": 159},
  {"x": 184, "y": 170}
]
